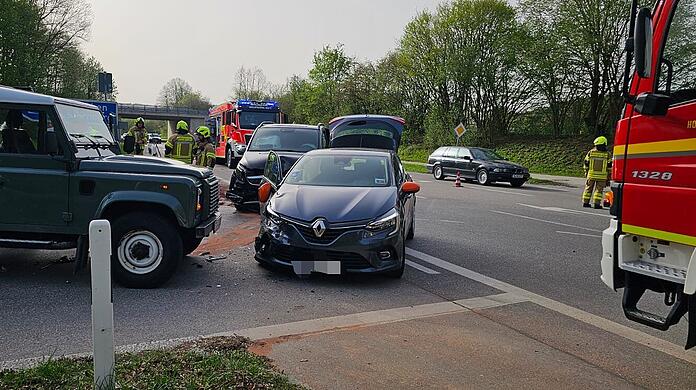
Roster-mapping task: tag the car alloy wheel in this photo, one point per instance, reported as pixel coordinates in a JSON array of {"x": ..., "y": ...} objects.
[
  {"x": 437, "y": 172},
  {"x": 482, "y": 177}
]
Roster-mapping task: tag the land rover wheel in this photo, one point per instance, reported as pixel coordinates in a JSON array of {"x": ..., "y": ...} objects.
[{"x": 146, "y": 250}]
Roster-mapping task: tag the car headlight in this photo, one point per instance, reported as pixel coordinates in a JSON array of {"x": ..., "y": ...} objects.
[
  {"x": 388, "y": 222},
  {"x": 501, "y": 170},
  {"x": 240, "y": 172},
  {"x": 272, "y": 220}
]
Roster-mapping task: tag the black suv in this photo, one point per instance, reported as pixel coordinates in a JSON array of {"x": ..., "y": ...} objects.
[
  {"x": 482, "y": 165},
  {"x": 290, "y": 141}
]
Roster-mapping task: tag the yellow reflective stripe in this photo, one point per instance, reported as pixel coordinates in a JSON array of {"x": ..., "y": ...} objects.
[
  {"x": 661, "y": 235},
  {"x": 680, "y": 145}
]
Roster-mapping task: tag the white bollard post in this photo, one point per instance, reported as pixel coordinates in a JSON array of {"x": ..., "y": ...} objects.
[{"x": 102, "y": 305}]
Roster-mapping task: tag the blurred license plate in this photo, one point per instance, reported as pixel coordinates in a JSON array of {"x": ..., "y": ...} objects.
[{"x": 518, "y": 176}]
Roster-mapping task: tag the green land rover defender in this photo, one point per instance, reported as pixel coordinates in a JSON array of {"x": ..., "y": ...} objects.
[{"x": 60, "y": 169}]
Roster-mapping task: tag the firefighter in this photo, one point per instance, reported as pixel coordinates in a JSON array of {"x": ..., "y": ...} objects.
[
  {"x": 180, "y": 145},
  {"x": 597, "y": 164},
  {"x": 139, "y": 133},
  {"x": 205, "y": 156}
]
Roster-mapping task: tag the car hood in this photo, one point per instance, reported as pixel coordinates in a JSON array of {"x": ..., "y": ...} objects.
[
  {"x": 143, "y": 165},
  {"x": 336, "y": 204},
  {"x": 504, "y": 164},
  {"x": 256, "y": 161}
]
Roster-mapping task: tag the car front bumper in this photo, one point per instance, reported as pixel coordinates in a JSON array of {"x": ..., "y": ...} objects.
[
  {"x": 241, "y": 191},
  {"x": 210, "y": 225},
  {"x": 356, "y": 252},
  {"x": 508, "y": 177}
]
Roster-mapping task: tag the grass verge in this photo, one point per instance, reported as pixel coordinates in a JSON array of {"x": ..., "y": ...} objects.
[
  {"x": 415, "y": 168},
  {"x": 214, "y": 363}
]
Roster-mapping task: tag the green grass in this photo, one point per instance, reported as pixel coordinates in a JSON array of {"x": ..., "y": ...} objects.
[
  {"x": 563, "y": 157},
  {"x": 415, "y": 168},
  {"x": 216, "y": 363}
]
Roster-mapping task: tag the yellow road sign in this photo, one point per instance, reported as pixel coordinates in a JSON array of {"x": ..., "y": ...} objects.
[{"x": 460, "y": 130}]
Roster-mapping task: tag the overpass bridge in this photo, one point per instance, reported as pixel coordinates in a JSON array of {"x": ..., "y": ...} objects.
[{"x": 172, "y": 115}]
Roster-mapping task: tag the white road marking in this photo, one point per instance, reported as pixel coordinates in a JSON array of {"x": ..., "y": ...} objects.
[
  {"x": 500, "y": 191},
  {"x": 567, "y": 211},
  {"x": 420, "y": 197},
  {"x": 424, "y": 181},
  {"x": 421, "y": 268},
  {"x": 572, "y": 312},
  {"x": 580, "y": 234},
  {"x": 546, "y": 221},
  {"x": 314, "y": 326},
  {"x": 442, "y": 220}
]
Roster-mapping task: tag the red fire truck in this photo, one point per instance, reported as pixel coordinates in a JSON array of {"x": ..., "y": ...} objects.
[
  {"x": 233, "y": 123},
  {"x": 650, "y": 245}
]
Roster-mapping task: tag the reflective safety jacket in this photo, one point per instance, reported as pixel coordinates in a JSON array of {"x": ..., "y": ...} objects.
[
  {"x": 180, "y": 147},
  {"x": 597, "y": 164},
  {"x": 140, "y": 135},
  {"x": 206, "y": 156}
]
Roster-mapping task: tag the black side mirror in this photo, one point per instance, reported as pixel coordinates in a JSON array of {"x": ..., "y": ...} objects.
[
  {"x": 51, "y": 143},
  {"x": 273, "y": 172},
  {"x": 652, "y": 104},
  {"x": 642, "y": 48},
  {"x": 468, "y": 158}
]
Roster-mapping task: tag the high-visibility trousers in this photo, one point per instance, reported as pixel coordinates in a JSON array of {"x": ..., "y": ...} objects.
[{"x": 594, "y": 190}]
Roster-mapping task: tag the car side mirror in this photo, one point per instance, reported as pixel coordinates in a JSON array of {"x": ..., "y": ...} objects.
[
  {"x": 642, "y": 44},
  {"x": 652, "y": 104},
  {"x": 467, "y": 158},
  {"x": 51, "y": 143},
  {"x": 265, "y": 192},
  {"x": 273, "y": 172},
  {"x": 410, "y": 187}
]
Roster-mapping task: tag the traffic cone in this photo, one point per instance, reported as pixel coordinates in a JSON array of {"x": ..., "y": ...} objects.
[{"x": 458, "y": 181}]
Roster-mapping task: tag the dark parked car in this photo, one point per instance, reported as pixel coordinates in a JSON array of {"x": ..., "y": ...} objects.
[
  {"x": 338, "y": 211},
  {"x": 289, "y": 141},
  {"x": 482, "y": 165}
]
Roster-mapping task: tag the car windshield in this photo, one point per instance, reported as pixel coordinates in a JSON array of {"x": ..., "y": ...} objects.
[
  {"x": 250, "y": 120},
  {"x": 486, "y": 154},
  {"x": 84, "y": 125},
  {"x": 341, "y": 171},
  {"x": 284, "y": 139}
]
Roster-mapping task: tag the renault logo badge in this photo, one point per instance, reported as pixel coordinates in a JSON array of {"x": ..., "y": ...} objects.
[{"x": 319, "y": 227}]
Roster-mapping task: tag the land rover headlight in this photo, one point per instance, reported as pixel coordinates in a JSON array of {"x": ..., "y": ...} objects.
[
  {"x": 199, "y": 199},
  {"x": 388, "y": 222}
]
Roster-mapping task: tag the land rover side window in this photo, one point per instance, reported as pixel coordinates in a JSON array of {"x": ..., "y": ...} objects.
[
  {"x": 23, "y": 131},
  {"x": 677, "y": 76}
]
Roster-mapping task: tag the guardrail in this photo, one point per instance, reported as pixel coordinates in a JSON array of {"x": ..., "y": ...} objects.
[{"x": 154, "y": 109}]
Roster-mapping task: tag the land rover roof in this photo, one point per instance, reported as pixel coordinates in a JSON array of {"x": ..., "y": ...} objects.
[{"x": 18, "y": 96}]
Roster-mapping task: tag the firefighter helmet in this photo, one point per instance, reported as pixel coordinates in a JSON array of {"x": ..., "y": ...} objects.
[
  {"x": 203, "y": 131},
  {"x": 182, "y": 125},
  {"x": 600, "y": 141},
  {"x": 140, "y": 120}
]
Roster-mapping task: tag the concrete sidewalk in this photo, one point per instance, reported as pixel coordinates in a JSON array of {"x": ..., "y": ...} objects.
[{"x": 512, "y": 346}]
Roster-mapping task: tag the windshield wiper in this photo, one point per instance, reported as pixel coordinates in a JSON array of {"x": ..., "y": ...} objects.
[{"x": 95, "y": 144}]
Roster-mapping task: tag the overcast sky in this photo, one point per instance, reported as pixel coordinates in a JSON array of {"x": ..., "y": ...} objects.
[{"x": 145, "y": 43}]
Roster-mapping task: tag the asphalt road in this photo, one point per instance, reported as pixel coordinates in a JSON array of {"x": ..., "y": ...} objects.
[{"x": 537, "y": 238}]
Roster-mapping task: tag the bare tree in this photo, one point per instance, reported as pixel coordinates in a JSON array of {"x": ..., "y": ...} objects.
[{"x": 251, "y": 83}]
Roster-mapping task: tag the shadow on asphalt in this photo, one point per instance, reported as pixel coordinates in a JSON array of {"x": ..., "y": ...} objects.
[{"x": 526, "y": 187}]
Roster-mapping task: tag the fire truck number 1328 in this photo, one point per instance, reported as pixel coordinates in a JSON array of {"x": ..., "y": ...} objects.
[{"x": 653, "y": 175}]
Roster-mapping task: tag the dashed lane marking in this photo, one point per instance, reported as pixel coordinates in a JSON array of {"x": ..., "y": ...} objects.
[
  {"x": 567, "y": 211},
  {"x": 546, "y": 221}
]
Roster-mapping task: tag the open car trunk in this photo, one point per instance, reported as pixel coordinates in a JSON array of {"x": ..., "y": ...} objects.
[{"x": 366, "y": 131}]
